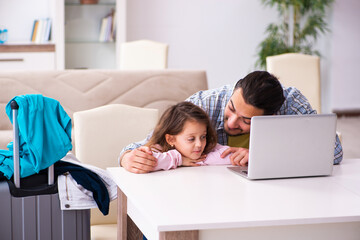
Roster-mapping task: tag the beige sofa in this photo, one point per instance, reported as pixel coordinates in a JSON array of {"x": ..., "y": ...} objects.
[{"x": 79, "y": 90}]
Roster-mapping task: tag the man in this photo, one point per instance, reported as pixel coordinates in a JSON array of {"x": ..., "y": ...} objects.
[{"x": 230, "y": 110}]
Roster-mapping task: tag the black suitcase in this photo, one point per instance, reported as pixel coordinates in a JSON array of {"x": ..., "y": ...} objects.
[{"x": 30, "y": 209}]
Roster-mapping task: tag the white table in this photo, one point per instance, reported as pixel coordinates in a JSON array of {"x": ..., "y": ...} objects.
[{"x": 211, "y": 202}]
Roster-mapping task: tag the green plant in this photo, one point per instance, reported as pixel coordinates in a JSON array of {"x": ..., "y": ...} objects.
[{"x": 302, "y": 21}]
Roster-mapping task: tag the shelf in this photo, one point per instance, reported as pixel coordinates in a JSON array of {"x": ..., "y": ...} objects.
[
  {"x": 27, "y": 47},
  {"x": 100, "y": 3},
  {"x": 88, "y": 42},
  {"x": 83, "y": 22},
  {"x": 94, "y": 5}
]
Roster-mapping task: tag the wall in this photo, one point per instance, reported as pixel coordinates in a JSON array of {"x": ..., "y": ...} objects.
[
  {"x": 215, "y": 35},
  {"x": 18, "y": 17},
  {"x": 221, "y": 37},
  {"x": 345, "y": 56}
]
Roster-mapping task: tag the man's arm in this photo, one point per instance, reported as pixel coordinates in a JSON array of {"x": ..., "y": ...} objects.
[
  {"x": 296, "y": 103},
  {"x": 137, "y": 158},
  {"x": 133, "y": 146},
  {"x": 338, "y": 152}
]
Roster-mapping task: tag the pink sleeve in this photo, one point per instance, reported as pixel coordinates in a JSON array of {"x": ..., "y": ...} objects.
[
  {"x": 213, "y": 157},
  {"x": 167, "y": 160}
]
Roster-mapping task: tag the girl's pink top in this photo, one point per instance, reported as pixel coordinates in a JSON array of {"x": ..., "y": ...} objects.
[{"x": 173, "y": 159}]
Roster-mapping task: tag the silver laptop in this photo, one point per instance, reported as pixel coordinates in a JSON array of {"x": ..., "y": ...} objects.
[{"x": 284, "y": 146}]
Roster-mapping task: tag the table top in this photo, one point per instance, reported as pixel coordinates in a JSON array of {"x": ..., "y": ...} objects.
[{"x": 213, "y": 197}]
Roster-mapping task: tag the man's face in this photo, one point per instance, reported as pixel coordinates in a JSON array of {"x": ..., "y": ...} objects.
[{"x": 237, "y": 116}]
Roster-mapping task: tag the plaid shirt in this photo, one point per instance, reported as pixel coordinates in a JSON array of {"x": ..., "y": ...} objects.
[{"x": 214, "y": 101}]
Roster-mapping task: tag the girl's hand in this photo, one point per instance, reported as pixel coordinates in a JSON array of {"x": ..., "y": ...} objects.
[{"x": 192, "y": 162}]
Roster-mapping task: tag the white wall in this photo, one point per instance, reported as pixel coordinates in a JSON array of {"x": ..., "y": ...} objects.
[
  {"x": 221, "y": 37},
  {"x": 19, "y": 18},
  {"x": 345, "y": 56}
]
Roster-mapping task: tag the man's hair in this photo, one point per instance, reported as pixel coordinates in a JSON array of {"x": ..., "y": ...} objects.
[
  {"x": 173, "y": 120},
  {"x": 262, "y": 90}
]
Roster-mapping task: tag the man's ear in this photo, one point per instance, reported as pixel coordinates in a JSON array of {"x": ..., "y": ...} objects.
[{"x": 170, "y": 139}]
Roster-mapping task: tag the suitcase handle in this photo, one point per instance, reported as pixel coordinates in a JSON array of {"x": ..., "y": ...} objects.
[{"x": 15, "y": 107}]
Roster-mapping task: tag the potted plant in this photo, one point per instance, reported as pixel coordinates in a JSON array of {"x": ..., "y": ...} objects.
[{"x": 301, "y": 22}]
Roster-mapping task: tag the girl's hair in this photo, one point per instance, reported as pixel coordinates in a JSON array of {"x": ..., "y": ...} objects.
[{"x": 173, "y": 120}]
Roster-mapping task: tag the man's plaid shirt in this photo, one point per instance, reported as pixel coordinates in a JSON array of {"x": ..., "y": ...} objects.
[{"x": 214, "y": 101}]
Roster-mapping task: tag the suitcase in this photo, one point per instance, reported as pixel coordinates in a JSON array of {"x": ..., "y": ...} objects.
[{"x": 30, "y": 207}]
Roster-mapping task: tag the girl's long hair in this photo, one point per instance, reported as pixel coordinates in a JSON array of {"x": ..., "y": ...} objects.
[{"x": 173, "y": 120}]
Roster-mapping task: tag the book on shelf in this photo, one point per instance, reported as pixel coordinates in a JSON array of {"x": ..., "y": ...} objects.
[
  {"x": 34, "y": 30},
  {"x": 113, "y": 27},
  {"x": 104, "y": 22},
  {"x": 107, "y": 28},
  {"x": 41, "y": 32}
]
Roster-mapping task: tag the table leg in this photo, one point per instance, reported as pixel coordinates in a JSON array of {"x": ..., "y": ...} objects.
[
  {"x": 180, "y": 235},
  {"x": 127, "y": 229},
  {"x": 133, "y": 232},
  {"x": 121, "y": 216}
]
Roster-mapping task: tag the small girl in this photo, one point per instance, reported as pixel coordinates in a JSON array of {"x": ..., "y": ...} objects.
[{"x": 185, "y": 137}]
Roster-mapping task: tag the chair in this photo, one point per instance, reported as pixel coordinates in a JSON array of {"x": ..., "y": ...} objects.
[
  {"x": 301, "y": 71},
  {"x": 298, "y": 70},
  {"x": 143, "y": 55},
  {"x": 100, "y": 135}
]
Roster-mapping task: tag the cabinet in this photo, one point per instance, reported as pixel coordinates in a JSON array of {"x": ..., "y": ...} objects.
[
  {"x": 82, "y": 25},
  {"x": 27, "y": 57},
  {"x": 19, "y": 52}
]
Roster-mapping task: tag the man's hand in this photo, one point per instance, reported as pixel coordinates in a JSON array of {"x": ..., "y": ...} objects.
[
  {"x": 139, "y": 160},
  {"x": 239, "y": 157}
]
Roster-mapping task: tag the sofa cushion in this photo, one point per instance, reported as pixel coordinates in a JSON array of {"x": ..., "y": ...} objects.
[{"x": 78, "y": 90}]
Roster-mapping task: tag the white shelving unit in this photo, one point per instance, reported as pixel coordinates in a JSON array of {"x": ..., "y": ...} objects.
[
  {"x": 82, "y": 48},
  {"x": 19, "y": 52},
  {"x": 74, "y": 34}
]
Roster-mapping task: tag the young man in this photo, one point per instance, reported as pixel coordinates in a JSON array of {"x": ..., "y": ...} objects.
[{"x": 230, "y": 109}]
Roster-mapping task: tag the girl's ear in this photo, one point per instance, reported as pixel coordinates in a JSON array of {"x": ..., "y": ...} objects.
[{"x": 170, "y": 139}]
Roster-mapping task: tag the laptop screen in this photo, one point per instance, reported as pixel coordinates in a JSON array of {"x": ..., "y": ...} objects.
[{"x": 291, "y": 145}]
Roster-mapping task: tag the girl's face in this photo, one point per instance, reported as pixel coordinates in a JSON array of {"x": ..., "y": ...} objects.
[{"x": 191, "y": 141}]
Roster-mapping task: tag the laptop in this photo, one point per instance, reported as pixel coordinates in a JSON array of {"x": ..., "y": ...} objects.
[{"x": 286, "y": 146}]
